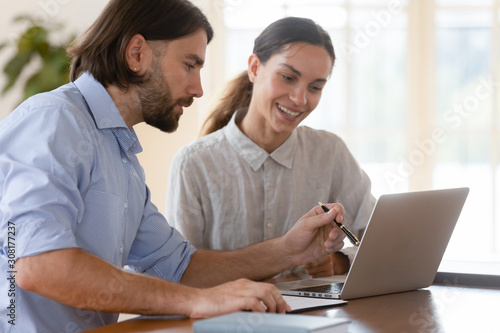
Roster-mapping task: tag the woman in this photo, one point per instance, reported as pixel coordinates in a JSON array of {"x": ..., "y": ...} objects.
[{"x": 256, "y": 172}]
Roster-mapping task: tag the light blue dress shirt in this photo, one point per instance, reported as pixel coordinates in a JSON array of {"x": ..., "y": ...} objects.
[{"x": 70, "y": 178}]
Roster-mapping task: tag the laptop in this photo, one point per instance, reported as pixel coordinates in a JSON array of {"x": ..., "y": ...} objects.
[{"x": 401, "y": 248}]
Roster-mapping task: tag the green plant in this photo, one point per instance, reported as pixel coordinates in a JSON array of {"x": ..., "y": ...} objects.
[{"x": 53, "y": 70}]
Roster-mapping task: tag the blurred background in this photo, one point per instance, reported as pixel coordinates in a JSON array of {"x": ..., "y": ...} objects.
[{"x": 415, "y": 92}]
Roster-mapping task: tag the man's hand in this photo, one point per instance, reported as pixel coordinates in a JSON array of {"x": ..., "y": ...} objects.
[
  {"x": 315, "y": 235},
  {"x": 333, "y": 264},
  {"x": 238, "y": 295},
  {"x": 136, "y": 293}
]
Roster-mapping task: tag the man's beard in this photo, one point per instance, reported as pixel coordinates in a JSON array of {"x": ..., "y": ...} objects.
[{"x": 157, "y": 102}]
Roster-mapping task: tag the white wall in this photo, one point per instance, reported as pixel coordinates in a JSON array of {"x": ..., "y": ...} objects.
[{"x": 77, "y": 15}]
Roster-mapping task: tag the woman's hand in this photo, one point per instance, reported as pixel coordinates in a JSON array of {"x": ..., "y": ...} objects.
[
  {"x": 333, "y": 264},
  {"x": 315, "y": 235}
]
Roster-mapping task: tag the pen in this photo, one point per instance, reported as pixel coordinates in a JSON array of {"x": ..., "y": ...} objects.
[{"x": 354, "y": 240}]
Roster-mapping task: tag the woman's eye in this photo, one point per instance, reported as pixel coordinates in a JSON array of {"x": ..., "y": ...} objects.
[
  {"x": 316, "y": 88},
  {"x": 287, "y": 77}
]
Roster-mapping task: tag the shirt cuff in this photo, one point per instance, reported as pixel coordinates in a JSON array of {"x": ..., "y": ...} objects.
[
  {"x": 172, "y": 267},
  {"x": 350, "y": 252}
]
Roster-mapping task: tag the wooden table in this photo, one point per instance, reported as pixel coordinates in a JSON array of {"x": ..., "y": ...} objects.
[{"x": 439, "y": 308}]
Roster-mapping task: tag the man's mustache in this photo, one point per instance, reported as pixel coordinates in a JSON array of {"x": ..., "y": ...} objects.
[{"x": 185, "y": 101}]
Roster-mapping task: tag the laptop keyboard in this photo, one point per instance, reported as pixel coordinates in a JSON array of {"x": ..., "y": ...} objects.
[{"x": 332, "y": 288}]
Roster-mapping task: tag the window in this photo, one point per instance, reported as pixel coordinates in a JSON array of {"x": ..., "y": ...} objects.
[
  {"x": 467, "y": 108},
  {"x": 415, "y": 93}
]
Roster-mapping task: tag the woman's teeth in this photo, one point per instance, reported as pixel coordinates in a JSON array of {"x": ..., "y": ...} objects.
[{"x": 288, "y": 112}]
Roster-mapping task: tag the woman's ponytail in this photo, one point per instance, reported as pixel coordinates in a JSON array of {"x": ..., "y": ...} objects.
[{"x": 237, "y": 96}]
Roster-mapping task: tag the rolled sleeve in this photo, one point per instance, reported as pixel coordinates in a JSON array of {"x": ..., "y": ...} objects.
[
  {"x": 159, "y": 249},
  {"x": 43, "y": 236}
]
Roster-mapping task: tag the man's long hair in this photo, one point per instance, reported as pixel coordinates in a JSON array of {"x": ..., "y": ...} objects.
[{"x": 101, "y": 49}]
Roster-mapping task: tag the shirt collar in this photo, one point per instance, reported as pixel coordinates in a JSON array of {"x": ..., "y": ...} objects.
[
  {"x": 105, "y": 113},
  {"x": 254, "y": 155},
  {"x": 102, "y": 106}
]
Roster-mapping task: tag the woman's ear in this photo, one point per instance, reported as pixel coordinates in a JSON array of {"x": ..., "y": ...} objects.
[
  {"x": 138, "y": 54},
  {"x": 253, "y": 67}
]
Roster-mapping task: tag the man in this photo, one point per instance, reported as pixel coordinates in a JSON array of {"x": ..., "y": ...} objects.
[{"x": 74, "y": 207}]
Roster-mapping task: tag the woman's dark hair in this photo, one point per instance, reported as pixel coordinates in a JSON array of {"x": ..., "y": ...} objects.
[
  {"x": 276, "y": 38},
  {"x": 101, "y": 49}
]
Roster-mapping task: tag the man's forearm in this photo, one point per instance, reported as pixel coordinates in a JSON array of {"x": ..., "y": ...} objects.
[
  {"x": 256, "y": 262},
  {"x": 79, "y": 279},
  {"x": 310, "y": 239}
]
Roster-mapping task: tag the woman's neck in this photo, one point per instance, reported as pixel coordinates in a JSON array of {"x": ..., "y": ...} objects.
[{"x": 257, "y": 129}]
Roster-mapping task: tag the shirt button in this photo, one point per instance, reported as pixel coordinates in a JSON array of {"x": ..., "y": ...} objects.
[
  {"x": 121, "y": 249},
  {"x": 124, "y": 160},
  {"x": 269, "y": 225},
  {"x": 125, "y": 205}
]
